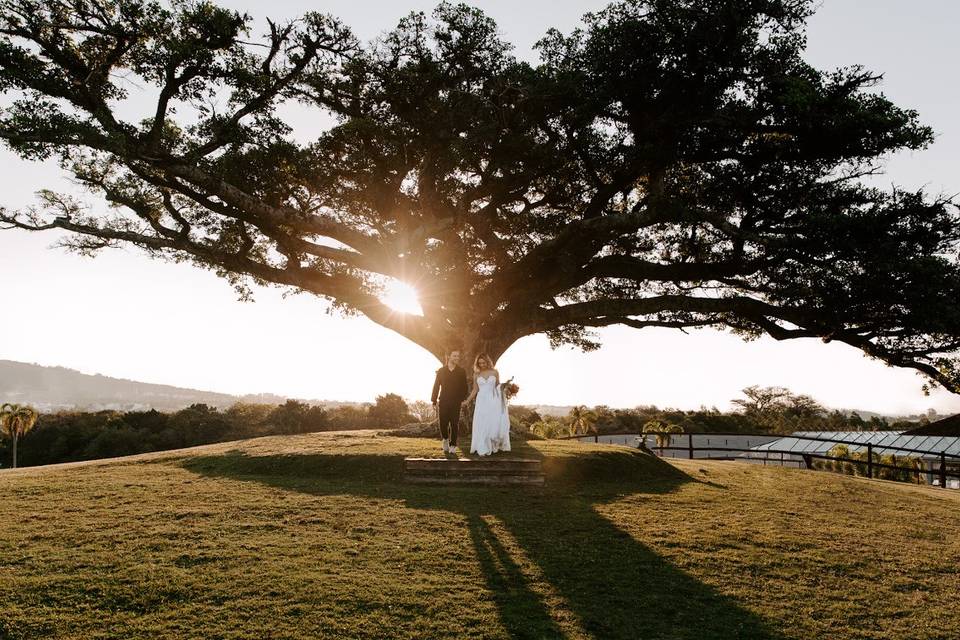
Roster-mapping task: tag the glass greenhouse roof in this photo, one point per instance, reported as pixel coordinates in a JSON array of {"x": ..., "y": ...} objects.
[{"x": 884, "y": 442}]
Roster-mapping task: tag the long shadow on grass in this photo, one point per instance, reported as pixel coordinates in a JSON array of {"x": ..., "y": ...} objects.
[{"x": 600, "y": 580}]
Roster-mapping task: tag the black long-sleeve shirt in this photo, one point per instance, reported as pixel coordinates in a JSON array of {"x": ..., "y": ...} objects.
[{"x": 450, "y": 386}]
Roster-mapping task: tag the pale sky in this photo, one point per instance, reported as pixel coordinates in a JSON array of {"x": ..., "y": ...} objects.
[{"x": 124, "y": 315}]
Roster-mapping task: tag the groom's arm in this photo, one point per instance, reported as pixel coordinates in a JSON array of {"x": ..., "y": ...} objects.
[{"x": 436, "y": 388}]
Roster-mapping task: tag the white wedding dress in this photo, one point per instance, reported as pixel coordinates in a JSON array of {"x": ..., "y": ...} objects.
[{"x": 491, "y": 420}]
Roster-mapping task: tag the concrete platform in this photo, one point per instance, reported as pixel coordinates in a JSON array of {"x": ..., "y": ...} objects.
[{"x": 483, "y": 471}]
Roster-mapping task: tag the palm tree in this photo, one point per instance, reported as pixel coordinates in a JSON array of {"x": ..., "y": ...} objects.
[
  {"x": 549, "y": 428},
  {"x": 15, "y": 421},
  {"x": 6, "y": 417},
  {"x": 582, "y": 420},
  {"x": 662, "y": 431}
]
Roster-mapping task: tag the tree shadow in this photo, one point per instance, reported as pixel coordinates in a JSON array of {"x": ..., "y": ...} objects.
[
  {"x": 538, "y": 545},
  {"x": 521, "y": 608}
]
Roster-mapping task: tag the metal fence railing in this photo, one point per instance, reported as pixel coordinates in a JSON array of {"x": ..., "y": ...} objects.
[{"x": 761, "y": 452}]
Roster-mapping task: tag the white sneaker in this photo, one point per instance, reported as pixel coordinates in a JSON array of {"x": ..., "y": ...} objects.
[
  {"x": 452, "y": 449},
  {"x": 445, "y": 446}
]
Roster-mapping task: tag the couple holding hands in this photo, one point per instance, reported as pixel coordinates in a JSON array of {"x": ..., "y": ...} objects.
[{"x": 491, "y": 420}]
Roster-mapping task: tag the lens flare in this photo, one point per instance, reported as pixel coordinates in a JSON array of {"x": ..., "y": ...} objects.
[{"x": 401, "y": 297}]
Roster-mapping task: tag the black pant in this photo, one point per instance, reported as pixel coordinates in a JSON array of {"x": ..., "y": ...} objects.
[{"x": 449, "y": 421}]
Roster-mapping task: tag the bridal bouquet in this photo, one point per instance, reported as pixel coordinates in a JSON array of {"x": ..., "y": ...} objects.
[{"x": 508, "y": 389}]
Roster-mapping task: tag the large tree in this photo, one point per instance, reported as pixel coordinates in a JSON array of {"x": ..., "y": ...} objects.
[{"x": 672, "y": 163}]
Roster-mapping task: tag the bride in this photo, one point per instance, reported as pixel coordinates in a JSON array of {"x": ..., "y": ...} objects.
[{"x": 491, "y": 422}]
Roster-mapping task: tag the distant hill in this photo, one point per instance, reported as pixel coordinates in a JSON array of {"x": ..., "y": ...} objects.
[
  {"x": 549, "y": 409},
  {"x": 53, "y": 388}
]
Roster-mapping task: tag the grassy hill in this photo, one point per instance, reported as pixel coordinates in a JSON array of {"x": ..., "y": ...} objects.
[{"x": 316, "y": 536}]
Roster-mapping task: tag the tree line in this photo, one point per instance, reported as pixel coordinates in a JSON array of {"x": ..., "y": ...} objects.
[
  {"x": 67, "y": 436},
  {"x": 775, "y": 410}
]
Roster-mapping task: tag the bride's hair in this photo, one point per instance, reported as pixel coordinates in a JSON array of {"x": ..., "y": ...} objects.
[{"x": 476, "y": 362}]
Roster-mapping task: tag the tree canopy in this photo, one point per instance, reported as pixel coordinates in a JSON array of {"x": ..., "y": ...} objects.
[{"x": 671, "y": 163}]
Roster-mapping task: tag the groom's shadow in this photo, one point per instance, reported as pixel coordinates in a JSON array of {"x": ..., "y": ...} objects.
[{"x": 550, "y": 559}]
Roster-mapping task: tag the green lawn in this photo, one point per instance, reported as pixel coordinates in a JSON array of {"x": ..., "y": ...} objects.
[{"x": 317, "y": 536}]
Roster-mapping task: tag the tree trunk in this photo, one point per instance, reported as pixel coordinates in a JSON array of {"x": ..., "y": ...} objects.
[{"x": 14, "y": 449}]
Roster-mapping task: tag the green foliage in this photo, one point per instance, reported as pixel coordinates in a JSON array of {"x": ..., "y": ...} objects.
[
  {"x": 390, "y": 410},
  {"x": 550, "y": 427},
  {"x": 582, "y": 420},
  {"x": 662, "y": 431},
  {"x": 349, "y": 417},
  {"x": 249, "y": 417},
  {"x": 854, "y": 464},
  {"x": 523, "y": 418},
  {"x": 778, "y": 410},
  {"x": 297, "y": 417},
  {"x": 661, "y": 150},
  {"x": 421, "y": 410},
  {"x": 15, "y": 421},
  {"x": 804, "y": 414},
  {"x": 68, "y": 436},
  {"x": 605, "y": 420}
]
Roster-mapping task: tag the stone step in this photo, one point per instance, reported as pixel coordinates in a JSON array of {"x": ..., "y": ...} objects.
[
  {"x": 520, "y": 464},
  {"x": 488, "y": 471},
  {"x": 488, "y": 479}
]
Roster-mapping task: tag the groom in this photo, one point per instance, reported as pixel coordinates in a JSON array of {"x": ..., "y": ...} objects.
[{"x": 451, "y": 385}]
